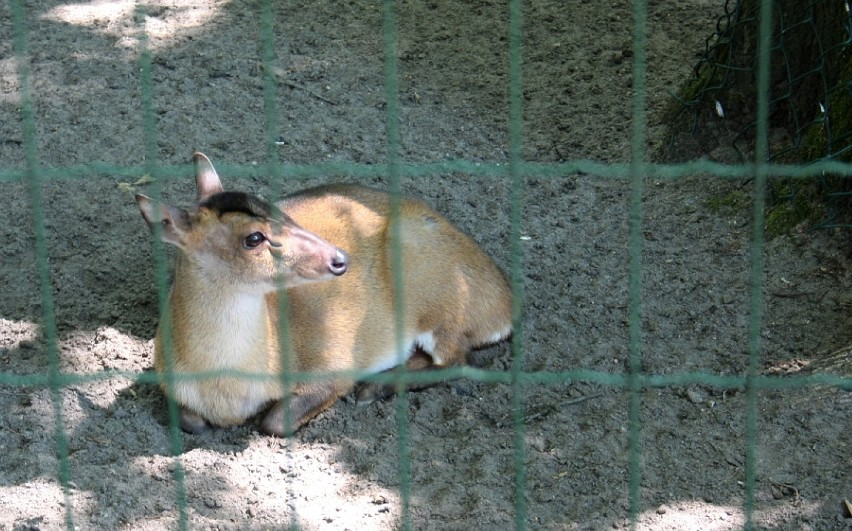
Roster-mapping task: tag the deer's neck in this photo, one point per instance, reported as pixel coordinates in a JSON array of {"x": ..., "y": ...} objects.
[{"x": 216, "y": 326}]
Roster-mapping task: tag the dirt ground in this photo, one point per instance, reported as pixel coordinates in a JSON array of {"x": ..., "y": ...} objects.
[{"x": 343, "y": 470}]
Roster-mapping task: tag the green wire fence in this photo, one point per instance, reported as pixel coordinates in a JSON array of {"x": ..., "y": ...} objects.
[{"x": 637, "y": 172}]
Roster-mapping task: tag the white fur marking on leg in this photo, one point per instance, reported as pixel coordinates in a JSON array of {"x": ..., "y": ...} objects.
[
  {"x": 426, "y": 341},
  {"x": 500, "y": 336},
  {"x": 391, "y": 359}
]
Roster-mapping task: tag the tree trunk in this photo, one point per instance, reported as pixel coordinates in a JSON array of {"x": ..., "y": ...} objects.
[{"x": 811, "y": 74}]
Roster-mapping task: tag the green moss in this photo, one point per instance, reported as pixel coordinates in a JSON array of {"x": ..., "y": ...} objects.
[
  {"x": 791, "y": 203},
  {"x": 796, "y": 202},
  {"x": 728, "y": 203}
]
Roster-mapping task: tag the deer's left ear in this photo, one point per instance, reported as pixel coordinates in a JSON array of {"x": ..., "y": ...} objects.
[
  {"x": 206, "y": 179},
  {"x": 167, "y": 222}
]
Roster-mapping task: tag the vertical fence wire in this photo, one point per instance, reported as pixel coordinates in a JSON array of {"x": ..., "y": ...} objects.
[
  {"x": 273, "y": 164},
  {"x": 756, "y": 309},
  {"x": 393, "y": 143},
  {"x": 33, "y": 179},
  {"x": 149, "y": 130},
  {"x": 516, "y": 176}
]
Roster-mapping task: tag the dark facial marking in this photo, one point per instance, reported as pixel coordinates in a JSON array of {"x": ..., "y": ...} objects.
[{"x": 241, "y": 202}]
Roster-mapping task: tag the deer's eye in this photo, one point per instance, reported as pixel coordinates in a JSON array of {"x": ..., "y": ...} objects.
[{"x": 253, "y": 240}]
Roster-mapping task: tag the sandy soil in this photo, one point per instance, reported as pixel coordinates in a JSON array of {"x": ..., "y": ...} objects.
[{"x": 343, "y": 470}]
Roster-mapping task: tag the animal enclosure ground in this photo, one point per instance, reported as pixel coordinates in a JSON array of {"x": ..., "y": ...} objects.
[{"x": 342, "y": 471}]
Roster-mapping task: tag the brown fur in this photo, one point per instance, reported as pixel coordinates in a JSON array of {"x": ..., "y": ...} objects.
[{"x": 223, "y": 308}]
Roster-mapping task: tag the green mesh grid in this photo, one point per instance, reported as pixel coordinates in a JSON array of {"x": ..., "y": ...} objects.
[{"x": 637, "y": 172}]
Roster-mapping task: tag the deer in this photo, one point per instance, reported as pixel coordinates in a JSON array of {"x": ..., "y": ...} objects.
[{"x": 328, "y": 251}]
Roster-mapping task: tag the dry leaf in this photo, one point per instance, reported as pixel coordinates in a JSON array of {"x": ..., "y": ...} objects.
[{"x": 145, "y": 179}]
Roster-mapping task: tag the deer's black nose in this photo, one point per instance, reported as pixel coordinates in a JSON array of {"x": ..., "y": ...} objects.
[{"x": 339, "y": 263}]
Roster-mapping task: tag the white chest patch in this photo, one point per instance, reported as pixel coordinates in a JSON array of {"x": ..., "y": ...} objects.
[{"x": 239, "y": 332}]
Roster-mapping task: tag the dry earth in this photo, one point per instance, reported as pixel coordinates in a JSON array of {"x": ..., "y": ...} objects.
[{"x": 343, "y": 470}]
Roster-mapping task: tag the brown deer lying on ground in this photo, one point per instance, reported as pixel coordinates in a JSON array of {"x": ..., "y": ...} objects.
[{"x": 330, "y": 248}]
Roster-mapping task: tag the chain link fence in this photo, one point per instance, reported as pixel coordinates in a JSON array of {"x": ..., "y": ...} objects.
[{"x": 809, "y": 102}]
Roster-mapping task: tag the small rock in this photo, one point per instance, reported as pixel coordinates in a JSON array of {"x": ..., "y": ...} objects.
[
  {"x": 539, "y": 444},
  {"x": 212, "y": 503},
  {"x": 696, "y": 395}
]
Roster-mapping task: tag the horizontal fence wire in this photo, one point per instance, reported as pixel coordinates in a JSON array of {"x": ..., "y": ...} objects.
[
  {"x": 515, "y": 170},
  {"x": 617, "y": 380},
  {"x": 618, "y": 171}
]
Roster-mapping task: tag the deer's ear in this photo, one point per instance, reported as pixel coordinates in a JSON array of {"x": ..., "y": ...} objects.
[
  {"x": 206, "y": 179},
  {"x": 168, "y": 223}
]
